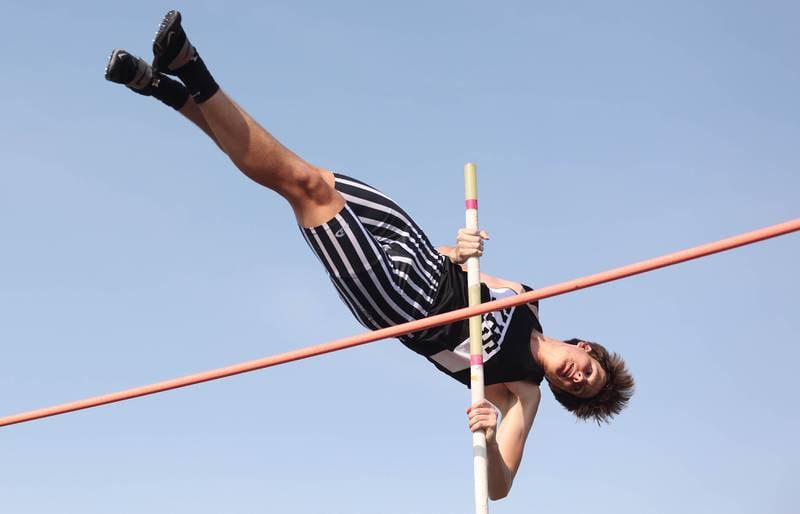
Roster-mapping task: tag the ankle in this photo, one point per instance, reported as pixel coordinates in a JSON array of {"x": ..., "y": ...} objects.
[
  {"x": 199, "y": 81},
  {"x": 169, "y": 91}
]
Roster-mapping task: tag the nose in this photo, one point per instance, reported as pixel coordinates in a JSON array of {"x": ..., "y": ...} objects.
[{"x": 577, "y": 377}]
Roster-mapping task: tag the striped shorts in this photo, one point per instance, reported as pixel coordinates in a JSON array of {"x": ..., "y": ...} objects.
[{"x": 379, "y": 260}]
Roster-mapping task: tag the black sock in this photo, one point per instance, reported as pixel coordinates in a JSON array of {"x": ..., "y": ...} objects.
[
  {"x": 166, "y": 89},
  {"x": 198, "y": 79},
  {"x": 171, "y": 92}
]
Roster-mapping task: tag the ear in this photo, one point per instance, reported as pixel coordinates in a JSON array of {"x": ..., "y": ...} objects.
[{"x": 586, "y": 347}]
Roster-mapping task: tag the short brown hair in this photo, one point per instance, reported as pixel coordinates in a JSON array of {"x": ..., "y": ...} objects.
[{"x": 611, "y": 399}]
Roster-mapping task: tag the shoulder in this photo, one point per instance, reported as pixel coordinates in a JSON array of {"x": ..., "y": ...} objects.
[
  {"x": 500, "y": 283},
  {"x": 521, "y": 392},
  {"x": 525, "y": 390}
]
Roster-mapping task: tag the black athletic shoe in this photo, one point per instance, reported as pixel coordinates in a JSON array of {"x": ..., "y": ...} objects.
[
  {"x": 171, "y": 47},
  {"x": 126, "y": 68}
]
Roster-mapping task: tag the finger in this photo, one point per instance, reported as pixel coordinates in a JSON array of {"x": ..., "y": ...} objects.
[
  {"x": 483, "y": 416},
  {"x": 474, "y": 427},
  {"x": 485, "y": 412},
  {"x": 480, "y": 417},
  {"x": 462, "y": 236},
  {"x": 480, "y": 403},
  {"x": 469, "y": 244},
  {"x": 467, "y": 234},
  {"x": 476, "y": 245},
  {"x": 470, "y": 252},
  {"x": 477, "y": 416},
  {"x": 481, "y": 426},
  {"x": 468, "y": 239}
]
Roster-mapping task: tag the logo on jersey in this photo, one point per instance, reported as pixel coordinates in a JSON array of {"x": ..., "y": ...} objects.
[{"x": 493, "y": 329}]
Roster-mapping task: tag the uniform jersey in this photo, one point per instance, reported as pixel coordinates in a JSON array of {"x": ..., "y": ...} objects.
[
  {"x": 387, "y": 272},
  {"x": 506, "y": 335}
]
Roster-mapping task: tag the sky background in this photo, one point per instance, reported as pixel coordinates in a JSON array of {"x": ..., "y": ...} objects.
[{"x": 132, "y": 251}]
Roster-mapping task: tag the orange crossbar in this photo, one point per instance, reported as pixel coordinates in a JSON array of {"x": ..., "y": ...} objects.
[{"x": 413, "y": 326}]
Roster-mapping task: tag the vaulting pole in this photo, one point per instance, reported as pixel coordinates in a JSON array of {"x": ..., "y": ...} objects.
[
  {"x": 413, "y": 326},
  {"x": 479, "y": 463}
]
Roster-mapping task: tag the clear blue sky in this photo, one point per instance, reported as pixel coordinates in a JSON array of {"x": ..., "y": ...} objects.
[{"x": 604, "y": 133}]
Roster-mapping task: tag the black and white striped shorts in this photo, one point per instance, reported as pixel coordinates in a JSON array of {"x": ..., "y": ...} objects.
[{"x": 379, "y": 260}]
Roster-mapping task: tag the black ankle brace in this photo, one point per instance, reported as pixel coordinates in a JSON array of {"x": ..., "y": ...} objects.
[
  {"x": 198, "y": 79},
  {"x": 169, "y": 91}
]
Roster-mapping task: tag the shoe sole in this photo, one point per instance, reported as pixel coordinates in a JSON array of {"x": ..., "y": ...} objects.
[
  {"x": 161, "y": 40},
  {"x": 109, "y": 65},
  {"x": 120, "y": 72}
]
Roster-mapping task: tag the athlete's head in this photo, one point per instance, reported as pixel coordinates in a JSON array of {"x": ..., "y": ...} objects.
[{"x": 590, "y": 382}]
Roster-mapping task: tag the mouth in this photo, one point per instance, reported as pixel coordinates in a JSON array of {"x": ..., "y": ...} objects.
[{"x": 568, "y": 370}]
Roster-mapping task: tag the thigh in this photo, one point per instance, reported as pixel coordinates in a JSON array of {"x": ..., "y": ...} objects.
[
  {"x": 381, "y": 263},
  {"x": 415, "y": 260},
  {"x": 401, "y": 237}
]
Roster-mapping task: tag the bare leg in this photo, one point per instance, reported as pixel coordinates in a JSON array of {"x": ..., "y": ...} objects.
[
  {"x": 191, "y": 111},
  {"x": 308, "y": 189}
]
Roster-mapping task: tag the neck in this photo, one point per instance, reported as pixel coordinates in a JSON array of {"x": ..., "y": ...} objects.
[{"x": 542, "y": 347}]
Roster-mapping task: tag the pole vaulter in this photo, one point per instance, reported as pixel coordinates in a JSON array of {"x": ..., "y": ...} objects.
[
  {"x": 433, "y": 321},
  {"x": 396, "y": 283}
]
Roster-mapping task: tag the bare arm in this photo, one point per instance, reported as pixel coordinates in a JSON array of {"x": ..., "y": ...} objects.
[
  {"x": 469, "y": 243},
  {"x": 518, "y": 402}
]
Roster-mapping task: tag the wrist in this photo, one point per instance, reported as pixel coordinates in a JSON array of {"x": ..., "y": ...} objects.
[
  {"x": 447, "y": 251},
  {"x": 454, "y": 256}
]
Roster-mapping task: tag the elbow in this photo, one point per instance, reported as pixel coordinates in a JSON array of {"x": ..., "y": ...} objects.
[{"x": 498, "y": 495}]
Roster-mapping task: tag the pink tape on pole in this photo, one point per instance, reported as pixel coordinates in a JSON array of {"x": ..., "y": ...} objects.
[
  {"x": 476, "y": 360},
  {"x": 472, "y": 203}
]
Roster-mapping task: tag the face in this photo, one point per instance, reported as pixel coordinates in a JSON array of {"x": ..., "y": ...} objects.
[{"x": 575, "y": 371}]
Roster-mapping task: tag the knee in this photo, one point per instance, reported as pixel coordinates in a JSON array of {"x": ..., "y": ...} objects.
[
  {"x": 309, "y": 184},
  {"x": 294, "y": 179},
  {"x": 313, "y": 197}
]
